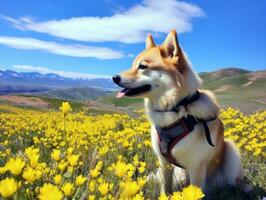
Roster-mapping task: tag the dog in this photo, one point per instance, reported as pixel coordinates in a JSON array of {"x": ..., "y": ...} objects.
[{"x": 163, "y": 76}]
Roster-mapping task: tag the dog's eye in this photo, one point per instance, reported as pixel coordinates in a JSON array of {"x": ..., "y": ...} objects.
[{"x": 141, "y": 66}]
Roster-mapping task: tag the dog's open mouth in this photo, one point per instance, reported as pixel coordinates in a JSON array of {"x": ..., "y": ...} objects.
[{"x": 133, "y": 91}]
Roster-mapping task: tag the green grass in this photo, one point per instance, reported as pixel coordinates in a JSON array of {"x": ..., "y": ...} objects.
[
  {"x": 55, "y": 103},
  {"x": 233, "y": 81},
  {"x": 75, "y": 93},
  {"x": 125, "y": 101}
]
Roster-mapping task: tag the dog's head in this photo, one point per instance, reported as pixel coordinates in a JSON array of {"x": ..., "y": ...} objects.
[{"x": 156, "y": 70}]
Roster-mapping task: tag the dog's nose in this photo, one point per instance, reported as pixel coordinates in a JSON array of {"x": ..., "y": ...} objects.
[{"x": 116, "y": 79}]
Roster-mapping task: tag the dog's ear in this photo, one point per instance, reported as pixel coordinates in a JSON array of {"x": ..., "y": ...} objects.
[
  {"x": 170, "y": 44},
  {"x": 149, "y": 42}
]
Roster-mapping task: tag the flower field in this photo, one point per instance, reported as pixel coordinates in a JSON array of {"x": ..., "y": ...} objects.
[{"x": 56, "y": 155}]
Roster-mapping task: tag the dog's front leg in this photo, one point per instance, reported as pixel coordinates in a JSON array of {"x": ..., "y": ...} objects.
[
  {"x": 197, "y": 176},
  {"x": 166, "y": 177}
]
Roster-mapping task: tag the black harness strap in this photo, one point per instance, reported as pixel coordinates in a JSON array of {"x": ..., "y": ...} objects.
[
  {"x": 207, "y": 131},
  {"x": 183, "y": 102},
  {"x": 187, "y": 100}
]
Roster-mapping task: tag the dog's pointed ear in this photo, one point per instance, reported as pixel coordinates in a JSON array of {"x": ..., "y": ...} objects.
[
  {"x": 170, "y": 44},
  {"x": 149, "y": 42}
]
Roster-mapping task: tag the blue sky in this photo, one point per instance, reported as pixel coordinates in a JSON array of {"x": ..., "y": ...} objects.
[{"x": 78, "y": 38}]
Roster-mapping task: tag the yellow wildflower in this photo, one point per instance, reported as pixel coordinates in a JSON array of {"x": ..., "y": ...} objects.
[
  {"x": 8, "y": 187},
  {"x": 177, "y": 196},
  {"x": 34, "y": 159},
  {"x": 136, "y": 160},
  {"x": 33, "y": 155},
  {"x": 120, "y": 168},
  {"x": 163, "y": 197},
  {"x": 65, "y": 108},
  {"x": 68, "y": 189},
  {"x": 91, "y": 197},
  {"x": 142, "y": 167},
  {"x": 73, "y": 159},
  {"x": 129, "y": 188},
  {"x": 38, "y": 174},
  {"x": 142, "y": 181},
  {"x": 57, "y": 179},
  {"x": 192, "y": 193},
  {"x": 29, "y": 174},
  {"x": 3, "y": 170},
  {"x": 15, "y": 165},
  {"x": 103, "y": 188},
  {"x": 55, "y": 154},
  {"x": 62, "y": 166},
  {"x": 96, "y": 171},
  {"x": 138, "y": 196},
  {"x": 80, "y": 180},
  {"x": 50, "y": 192},
  {"x": 92, "y": 185},
  {"x": 70, "y": 150}
]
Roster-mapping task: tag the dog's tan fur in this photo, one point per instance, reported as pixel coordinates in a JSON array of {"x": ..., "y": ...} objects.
[{"x": 172, "y": 79}]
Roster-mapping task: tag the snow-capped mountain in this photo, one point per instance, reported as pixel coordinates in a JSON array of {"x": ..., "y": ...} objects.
[{"x": 51, "y": 81}]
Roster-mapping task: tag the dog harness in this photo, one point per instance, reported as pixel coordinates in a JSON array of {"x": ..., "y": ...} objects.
[{"x": 169, "y": 136}]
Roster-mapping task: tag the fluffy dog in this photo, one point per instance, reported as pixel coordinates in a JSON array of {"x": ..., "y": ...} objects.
[{"x": 163, "y": 76}]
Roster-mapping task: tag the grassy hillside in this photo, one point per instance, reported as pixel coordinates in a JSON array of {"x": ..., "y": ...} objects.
[
  {"x": 54, "y": 103},
  {"x": 243, "y": 90},
  {"x": 125, "y": 101},
  {"x": 75, "y": 93},
  {"x": 226, "y": 72}
]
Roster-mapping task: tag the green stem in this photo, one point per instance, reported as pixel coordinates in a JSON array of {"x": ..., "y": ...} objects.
[
  {"x": 65, "y": 130},
  {"x": 76, "y": 194}
]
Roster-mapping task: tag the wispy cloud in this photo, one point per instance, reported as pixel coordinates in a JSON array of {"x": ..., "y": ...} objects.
[
  {"x": 68, "y": 74},
  {"x": 127, "y": 26},
  {"x": 74, "y": 50}
]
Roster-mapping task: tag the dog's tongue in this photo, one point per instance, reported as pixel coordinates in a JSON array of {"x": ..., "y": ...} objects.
[{"x": 122, "y": 93}]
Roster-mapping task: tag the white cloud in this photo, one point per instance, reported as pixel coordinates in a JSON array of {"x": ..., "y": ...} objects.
[
  {"x": 127, "y": 26},
  {"x": 74, "y": 50},
  {"x": 68, "y": 74}
]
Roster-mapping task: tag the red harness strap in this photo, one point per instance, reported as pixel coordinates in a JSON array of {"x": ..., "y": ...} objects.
[
  {"x": 168, "y": 156},
  {"x": 169, "y": 136}
]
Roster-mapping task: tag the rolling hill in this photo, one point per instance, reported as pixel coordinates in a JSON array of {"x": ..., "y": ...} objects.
[{"x": 81, "y": 93}]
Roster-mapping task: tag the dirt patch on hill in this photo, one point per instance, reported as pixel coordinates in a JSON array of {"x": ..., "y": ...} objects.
[
  {"x": 24, "y": 101},
  {"x": 222, "y": 88},
  {"x": 262, "y": 101},
  {"x": 105, "y": 107},
  {"x": 247, "y": 84}
]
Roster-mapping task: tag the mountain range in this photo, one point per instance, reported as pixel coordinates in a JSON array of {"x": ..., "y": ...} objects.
[{"x": 32, "y": 82}]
